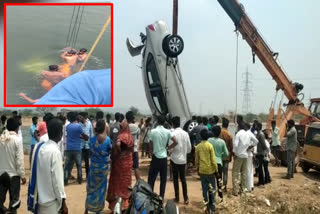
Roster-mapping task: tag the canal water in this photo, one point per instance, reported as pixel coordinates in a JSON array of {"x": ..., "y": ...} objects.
[{"x": 37, "y": 34}]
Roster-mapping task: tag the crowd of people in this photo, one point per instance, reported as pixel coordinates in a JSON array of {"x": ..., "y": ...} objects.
[{"x": 60, "y": 141}]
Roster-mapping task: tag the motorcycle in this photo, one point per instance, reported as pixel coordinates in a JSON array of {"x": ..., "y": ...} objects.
[{"x": 144, "y": 201}]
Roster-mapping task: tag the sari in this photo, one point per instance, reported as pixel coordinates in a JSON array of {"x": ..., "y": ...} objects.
[
  {"x": 121, "y": 169},
  {"x": 97, "y": 179}
]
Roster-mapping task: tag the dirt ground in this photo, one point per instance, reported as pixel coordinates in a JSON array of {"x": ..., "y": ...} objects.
[{"x": 299, "y": 195}]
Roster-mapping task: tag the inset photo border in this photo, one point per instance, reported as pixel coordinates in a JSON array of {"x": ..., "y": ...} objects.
[{"x": 61, "y": 81}]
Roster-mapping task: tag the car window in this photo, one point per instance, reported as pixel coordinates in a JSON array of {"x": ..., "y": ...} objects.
[
  {"x": 313, "y": 137},
  {"x": 155, "y": 88}
]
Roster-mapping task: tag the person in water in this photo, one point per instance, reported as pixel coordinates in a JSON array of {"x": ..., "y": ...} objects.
[
  {"x": 54, "y": 75},
  {"x": 82, "y": 55},
  {"x": 70, "y": 57}
]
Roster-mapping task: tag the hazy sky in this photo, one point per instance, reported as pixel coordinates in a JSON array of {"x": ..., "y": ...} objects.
[{"x": 208, "y": 61}]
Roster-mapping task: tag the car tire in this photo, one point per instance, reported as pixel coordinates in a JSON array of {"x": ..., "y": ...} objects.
[
  {"x": 305, "y": 167},
  {"x": 171, "y": 207},
  {"x": 172, "y": 45}
]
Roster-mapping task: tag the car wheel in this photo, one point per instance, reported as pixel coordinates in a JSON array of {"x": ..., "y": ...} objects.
[
  {"x": 171, "y": 207},
  {"x": 305, "y": 167},
  {"x": 172, "y": 45}
]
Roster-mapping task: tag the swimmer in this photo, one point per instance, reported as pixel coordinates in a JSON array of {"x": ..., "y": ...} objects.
[
  {"x": 53, "y": 76},
  {"x": 70, "y": 57},
  {"x": 24, "y": 96},
  {"x": 82, "y": 55}
]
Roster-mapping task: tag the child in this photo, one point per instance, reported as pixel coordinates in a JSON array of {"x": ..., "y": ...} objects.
[{"x": 206, "y": 164}]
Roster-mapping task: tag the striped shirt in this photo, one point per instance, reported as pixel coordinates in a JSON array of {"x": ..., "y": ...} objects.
[{"x": 206, "y": 161}]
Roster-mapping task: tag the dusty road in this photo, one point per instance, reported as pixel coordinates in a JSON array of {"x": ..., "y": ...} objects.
[{"x": 299, "y": 195}]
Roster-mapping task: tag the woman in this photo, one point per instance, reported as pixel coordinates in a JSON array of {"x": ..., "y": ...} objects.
[
  {"x": 121, "y": 168},
  {"x": 100, "y": 145}
]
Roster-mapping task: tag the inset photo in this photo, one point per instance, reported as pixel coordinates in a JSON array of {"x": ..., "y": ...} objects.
[{"x": 58, "y": 54}]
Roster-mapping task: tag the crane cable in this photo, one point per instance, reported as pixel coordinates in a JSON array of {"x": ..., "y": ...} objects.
[
  {"x": 237, "y": 62},
  {"x": 95, "y": 43},
  {"x": 74, "y": 27}
]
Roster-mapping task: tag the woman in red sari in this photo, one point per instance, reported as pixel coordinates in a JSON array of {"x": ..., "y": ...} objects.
[{"x": 121, "y": 168}]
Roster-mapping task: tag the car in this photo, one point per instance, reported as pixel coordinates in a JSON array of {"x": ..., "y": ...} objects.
[
  {"x": 310, "y": 158},
  {"x": 161, "y": 73}
]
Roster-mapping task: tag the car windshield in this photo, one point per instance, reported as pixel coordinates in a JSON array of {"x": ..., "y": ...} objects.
[{"x": 313, "y": 136}]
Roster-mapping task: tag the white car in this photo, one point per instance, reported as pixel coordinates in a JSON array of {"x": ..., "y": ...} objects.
[{"x": 161, "y": 72}]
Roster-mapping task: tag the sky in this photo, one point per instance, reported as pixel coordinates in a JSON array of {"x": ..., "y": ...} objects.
[{"x": 208, "y": 60}]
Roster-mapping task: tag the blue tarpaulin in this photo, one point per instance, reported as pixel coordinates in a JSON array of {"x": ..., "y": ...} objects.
[{"x": 89, "y": 87}]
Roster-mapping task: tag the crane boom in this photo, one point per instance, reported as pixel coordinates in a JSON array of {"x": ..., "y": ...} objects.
[{"x": 260, "y": 48}]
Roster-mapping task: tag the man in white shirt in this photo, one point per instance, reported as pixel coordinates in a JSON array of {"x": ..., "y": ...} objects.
[
  {"x": 50, "y": 182},
  {"x": 11, "y": 166},
  {"x": 251, "y": 153},
  {"x": 275, "y": 146},
  {"x": 243, "y": 141},
  {"x": 178, "y": 158}
]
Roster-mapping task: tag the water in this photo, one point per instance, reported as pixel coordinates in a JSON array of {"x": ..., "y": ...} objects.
[{"x": 35, "y": 36}]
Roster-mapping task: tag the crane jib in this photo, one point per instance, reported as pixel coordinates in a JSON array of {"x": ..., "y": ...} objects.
[{"x": 233, "y": 9}]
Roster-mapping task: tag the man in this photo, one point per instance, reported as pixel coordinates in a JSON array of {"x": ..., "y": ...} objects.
[
  {"x": 70, "y": 57},
  {"x": 19, "y": 119},
  {"x": 87, "y": 130},
  {"x": 206, "y": 165},
  {"x": 49, "y": 172},
  {"x": 178, "y": 159},
  {"x": 11, "y": 166},
  {"x": 227, "y": 137},
  {"x": 82, "y": 55},
  {"x": 55, "y": 75},
  {"x": 108, "y": 118},
  {"x": 33, "y": 132},
  {"x": 100, "y": 115},
  {"x": 62, "y": 142},
  {"x": 243, "y": 141},
  {"x": 291, "y": 148},
  {"x": 215, "y": 120},
  {"x": 159, "y": 139},
  {"x": 135, "y": 131},
  {"x": 196, "y": 130},
  {"x": 275, "y": 146},
  {"x": 46, "y": 118},
  {"x": 221, "y": 152},
  {"x": 73, "y": 151},
  {"x": 251, "y": 154},
  {"x": 205, "y": 122},
  {"x": 261, "y": 152},
  {"x": 145, "y": 138},
  {"x": 3, "y": 123},
  {"x": 115, "y": 127}
]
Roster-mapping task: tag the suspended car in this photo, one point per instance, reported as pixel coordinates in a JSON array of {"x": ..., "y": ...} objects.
[{"x": 161, "y": 74}]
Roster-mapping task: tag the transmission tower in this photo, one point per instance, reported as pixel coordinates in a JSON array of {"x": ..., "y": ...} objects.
[{"x": 247, "y": 92}]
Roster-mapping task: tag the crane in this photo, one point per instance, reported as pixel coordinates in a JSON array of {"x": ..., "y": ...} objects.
[{"x": 260, "y": 48}]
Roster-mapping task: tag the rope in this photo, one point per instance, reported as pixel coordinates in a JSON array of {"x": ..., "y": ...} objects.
[
  {"x": 74, "y": 27},
  {"x": 237, "y": 62},
  {"x": 96, "y": 42}
]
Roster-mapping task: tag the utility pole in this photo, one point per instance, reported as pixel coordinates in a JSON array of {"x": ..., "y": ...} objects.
[{"x": 247, "y": 92}]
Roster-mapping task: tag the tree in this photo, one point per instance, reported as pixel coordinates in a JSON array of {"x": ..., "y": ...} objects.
[
  {"x": 43, "y": 110},
  {"x": 26, "y": 112},
  {"x": 134, "y": 110},
  {"x": 250, "y": 117}
]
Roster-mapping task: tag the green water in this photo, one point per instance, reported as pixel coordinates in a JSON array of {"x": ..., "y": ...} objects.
[{"x": 35, "y": 37}]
